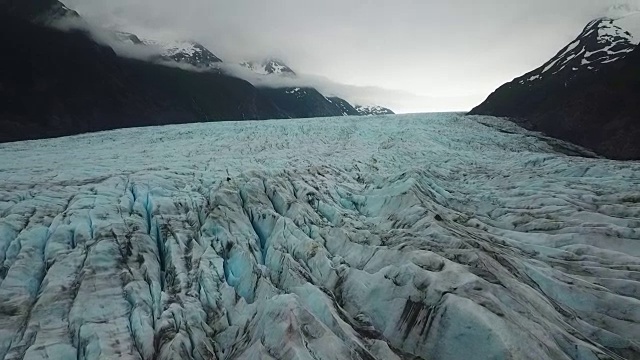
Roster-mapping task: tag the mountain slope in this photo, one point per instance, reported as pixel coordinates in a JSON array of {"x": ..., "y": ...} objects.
[
  {"x": 59, "y": 83},
  {"x": 586, "y": 94},
  {"x": 40, "y": 11},
  {"x": 302, "y": 102},
  {"x": 344, "y": 106},
  {"x": 297, "y": 102}
]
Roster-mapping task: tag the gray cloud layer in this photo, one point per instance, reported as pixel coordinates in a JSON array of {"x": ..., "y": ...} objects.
[{"x": 442, "y": 55}]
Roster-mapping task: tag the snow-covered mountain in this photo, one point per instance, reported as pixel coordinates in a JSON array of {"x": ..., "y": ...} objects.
[
  {"x": 409, "y": 237},
  {"x": 294, "y": 100},
  {"x": 105, "y": 79},
  {"x": 300, "y": 101},
  {"x": 602, "y": 42},
  {"x": 269, "y": 66},
  {"x": 371, "y": 110},
  {"x": 188, "y": 52},
  {"x": 184, "y": 52},
  {"x": 587, "y": 93}
]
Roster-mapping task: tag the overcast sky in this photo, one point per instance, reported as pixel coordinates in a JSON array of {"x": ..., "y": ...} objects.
[{"x": 444, "y": 55}]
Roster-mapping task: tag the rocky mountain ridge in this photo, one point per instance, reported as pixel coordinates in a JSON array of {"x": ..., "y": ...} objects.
[{"x": 587, "y": 93}]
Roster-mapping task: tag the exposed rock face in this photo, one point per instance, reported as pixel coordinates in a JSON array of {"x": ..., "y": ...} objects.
[
  {"x": 344, "y": 106},
  {"x": 587, "y": 94},
  {"x": 40, "y": 11},
  {"x": 428, "y": 237}
]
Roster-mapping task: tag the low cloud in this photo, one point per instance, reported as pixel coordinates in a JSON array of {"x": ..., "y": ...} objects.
[
  {"x": 624, "y": 8},
  {"x": 122, "y": 47},
  {"x": 397, "y": 100}
]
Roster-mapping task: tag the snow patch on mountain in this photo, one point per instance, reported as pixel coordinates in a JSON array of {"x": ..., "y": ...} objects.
[
  {"x": 293, "y": 91},
  {"x": 269, "y": 67},
  {"x": 175, "y": 47},
  {"x": 299, "y": 93},
  {"x": 372, "y": 110}
]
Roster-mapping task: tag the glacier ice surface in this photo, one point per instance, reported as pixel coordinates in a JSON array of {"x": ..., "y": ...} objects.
[{"x": 408, "y": 237}]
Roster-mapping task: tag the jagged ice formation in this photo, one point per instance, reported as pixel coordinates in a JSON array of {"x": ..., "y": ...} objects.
[{"x": 408, "y": 237}]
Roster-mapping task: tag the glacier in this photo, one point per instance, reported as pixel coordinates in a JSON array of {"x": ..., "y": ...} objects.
[{"x": 437, "y": 236}]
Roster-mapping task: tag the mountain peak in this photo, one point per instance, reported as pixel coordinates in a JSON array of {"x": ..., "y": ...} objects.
[
  {"x": 179, "y": 51},
  {"x": 608, "y": 30},
  {"x": 371, "y": 110},
  {"x": 186, "y": 52},
  {"x": 603, "y": 41},
  {"x": 587, "y": 93},
  {"x": 269, "y": 66}
]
